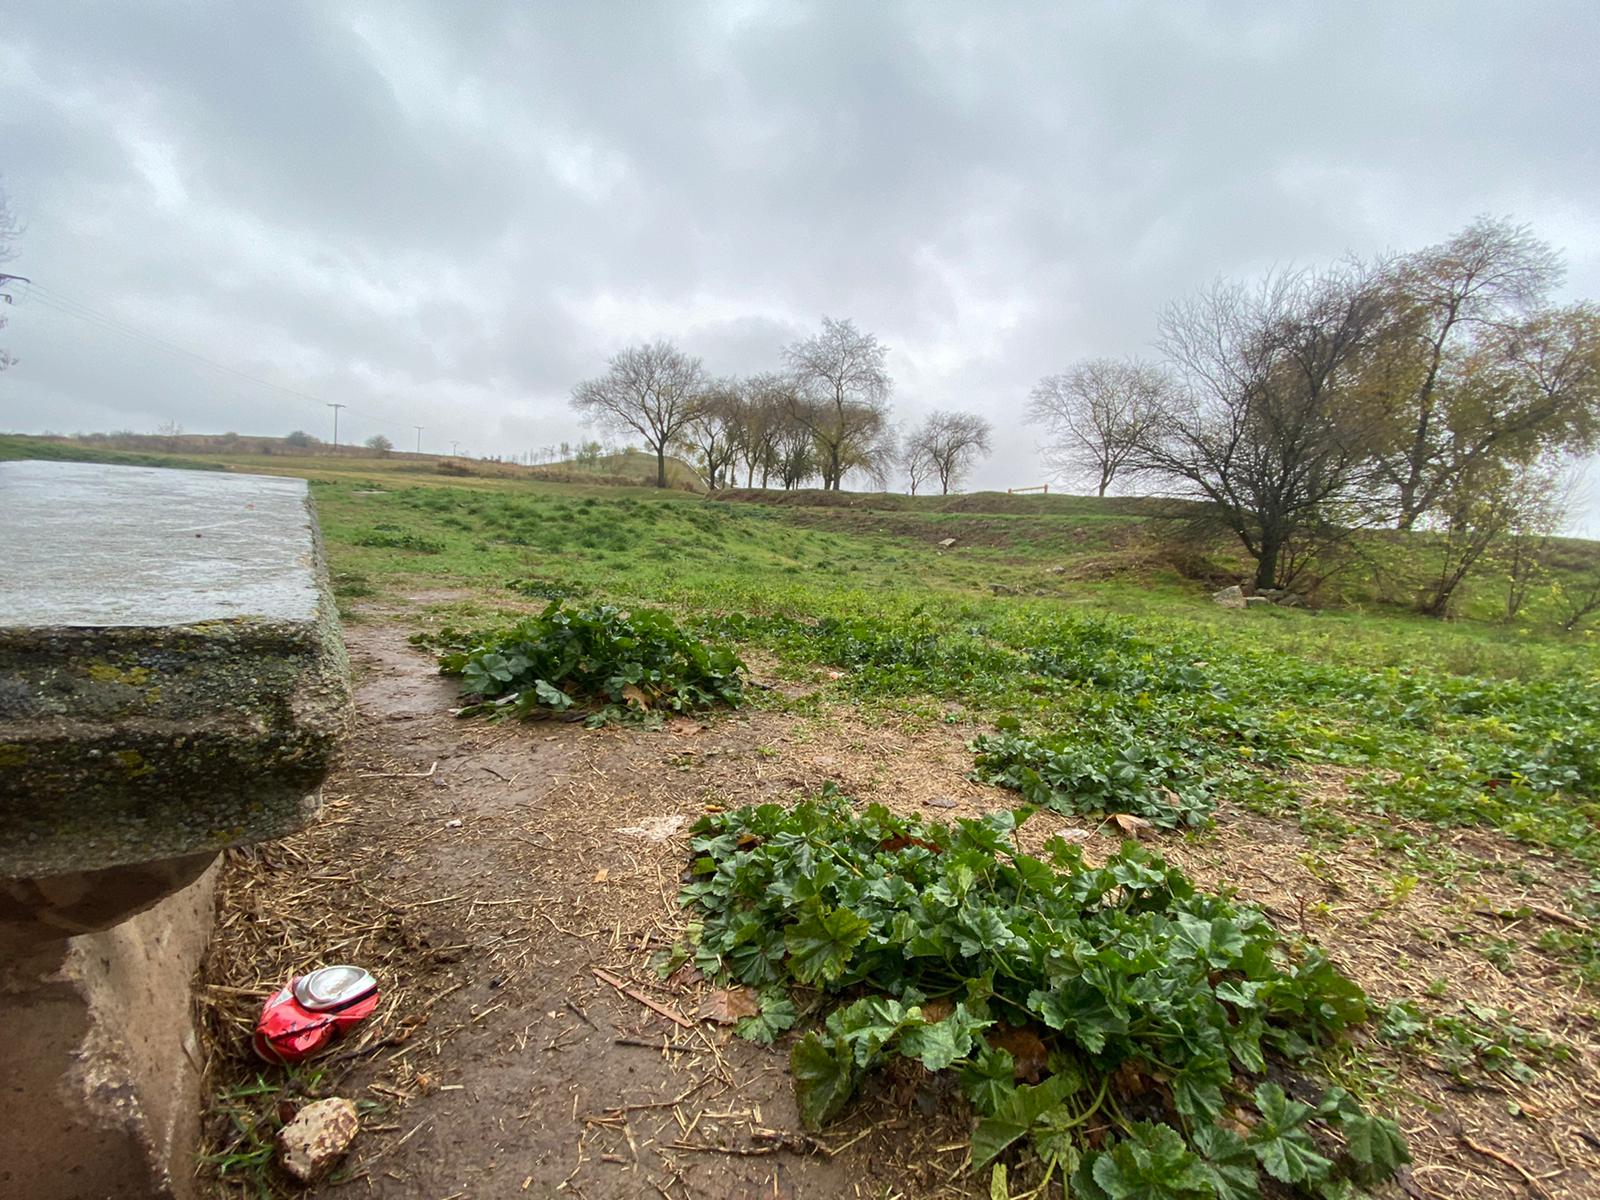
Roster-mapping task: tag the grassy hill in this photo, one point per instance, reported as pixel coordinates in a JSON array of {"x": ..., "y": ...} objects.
[
  {"x": 982, "y": 503},
  {"x": 631, "y": 468},
  {"x": 1142, "y": 549},
  {"x": 1406, "y": 795},
  {"x": 263, "y": 455}
]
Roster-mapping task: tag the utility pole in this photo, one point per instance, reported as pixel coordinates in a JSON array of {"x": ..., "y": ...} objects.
[
  {"x": 418, "y": 428},
  {"x": 453, "y": 446},
  {"x": 336, "y": 408}
]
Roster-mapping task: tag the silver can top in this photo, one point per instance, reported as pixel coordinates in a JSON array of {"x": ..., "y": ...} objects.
[{"x": 332, "y": 987}]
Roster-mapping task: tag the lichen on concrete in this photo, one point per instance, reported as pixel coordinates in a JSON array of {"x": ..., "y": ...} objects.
[{"x": 122, "y": 743}]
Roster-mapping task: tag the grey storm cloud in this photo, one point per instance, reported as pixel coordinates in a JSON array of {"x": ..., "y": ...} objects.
[{"x": 445, "y": 214}]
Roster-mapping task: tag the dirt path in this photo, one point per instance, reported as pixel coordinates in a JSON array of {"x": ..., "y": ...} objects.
[{"x": 486, "y": 873}]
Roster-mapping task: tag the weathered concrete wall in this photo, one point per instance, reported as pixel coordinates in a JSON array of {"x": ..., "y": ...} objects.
[
  {"x": 172, "y": 682},
  {"x": 99, "y": 1067},
  {"x": 172, "y": 678}
]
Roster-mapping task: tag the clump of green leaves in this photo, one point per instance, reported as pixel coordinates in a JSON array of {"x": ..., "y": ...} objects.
[
  {"x": 617, "y": 662},
  {"x": 545, "y": 589},
  {"x": 1158, "y": 1008},
  {"x": 392, "y": 537},
  {"x": 1113, "y": 771},
  {"x": 1476, "y": 1039}
]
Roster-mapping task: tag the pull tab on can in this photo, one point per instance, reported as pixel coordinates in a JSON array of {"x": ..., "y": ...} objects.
[{"x": 328, "y": 989}]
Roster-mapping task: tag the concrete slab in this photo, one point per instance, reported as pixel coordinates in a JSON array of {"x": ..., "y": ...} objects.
[
  {"x": 172, "y": 681},
  {"x": 90, "y": 545},
  {"x": 172, "y": 677}
]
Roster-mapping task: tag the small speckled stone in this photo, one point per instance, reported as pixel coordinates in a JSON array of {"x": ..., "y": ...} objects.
[{"x": 320, "y": 1135}]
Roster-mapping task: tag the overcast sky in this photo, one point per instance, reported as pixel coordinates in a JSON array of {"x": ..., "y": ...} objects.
[{"x": 445, "y": 214}]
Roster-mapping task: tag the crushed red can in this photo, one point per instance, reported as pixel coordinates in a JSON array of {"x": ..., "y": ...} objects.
[{"x": 314, "y": 1010}]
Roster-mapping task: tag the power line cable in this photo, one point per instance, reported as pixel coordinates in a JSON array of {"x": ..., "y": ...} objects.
[
  {"x": 74, "y": 308},
  {"x": 62, "y": 303}
]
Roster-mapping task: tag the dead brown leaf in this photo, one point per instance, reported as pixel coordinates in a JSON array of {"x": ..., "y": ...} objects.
[
  {"x": 1131, "y": 826},
  {"x": 1128, "y": 1081},
  {"x": 900, "y": 842},
  {"x": 729, "y": 1006},
  {"x": 685, "y": 976},
  {"x": 1026, "y": 1049}
]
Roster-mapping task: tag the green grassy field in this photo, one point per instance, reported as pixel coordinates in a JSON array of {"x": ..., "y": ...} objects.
[
  {"x": 1091, "y": 677},
  {"x": 1484, "y": 722}
]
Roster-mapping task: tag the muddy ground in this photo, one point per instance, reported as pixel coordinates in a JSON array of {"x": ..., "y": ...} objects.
[{"x": 513, "y": 885}]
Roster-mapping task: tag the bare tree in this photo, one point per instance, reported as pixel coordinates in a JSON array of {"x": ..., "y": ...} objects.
[
  {"x": 1476, "y": 512},
  {"x": 379, "y": 444},
  {"x": 769, "y": 399},
  {"x": 949, "y": 443},
  {"x": 1269, "y": 422},
  {"x": 916, "y": 461},
  {"x": 1097, "y": 414},
  {"x": 875, "y": 459},
  {"x": 843, "y": 386},
  {"x": 1580, "y": 601},
  {"x": 654, "y": 390},
  {"x": 1534, "y": 522},
  {"x": 1477, "y": 367},
  {"x": 717, "y": 430},
  {"x": 796, "y": 460}
]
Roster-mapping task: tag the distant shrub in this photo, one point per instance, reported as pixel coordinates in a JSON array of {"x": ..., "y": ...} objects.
[
  {"x": 638, "y": 662},
  {"x": 1122, "y": 772},
  {"x": 545, "y": 589},
  {"x": 395, "y": 539},
  {"x": 351, "y": 585}
]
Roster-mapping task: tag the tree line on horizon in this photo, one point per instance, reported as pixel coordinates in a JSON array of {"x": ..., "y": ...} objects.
[
  {"x": 1441, "y": 390},
  {"x": 824, "y": 415}
]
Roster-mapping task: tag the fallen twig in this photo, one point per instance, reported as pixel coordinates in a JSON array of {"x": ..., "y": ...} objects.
[
  {"x": 582, "y": 1016},
  {"x": 428, "y": 774},
  {"x": 658, "y": 1046},
  {"x": 1523, "y": 911},
  {"x": 678, "y": 1019},
  {"x": 1505, "y": 1161},
  {"x": 737, "y": 1151},
  {"x": 1559, "y": 917}
]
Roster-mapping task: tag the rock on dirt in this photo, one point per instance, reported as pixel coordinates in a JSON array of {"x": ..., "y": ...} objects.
[
  {"x": 312, "y": 1144},
  {"x": 1257, "y": 602},
  {"x": 661, "y": 828},
  {"x": 1282, "y": 598},
  {"x": 1230, "y": 597}
]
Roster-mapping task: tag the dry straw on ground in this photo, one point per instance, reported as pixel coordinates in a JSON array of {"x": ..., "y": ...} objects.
[{"x": 512, "y": 885}]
